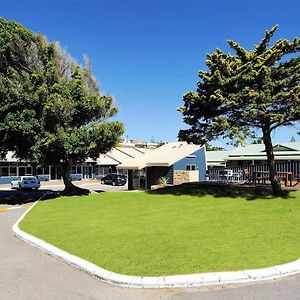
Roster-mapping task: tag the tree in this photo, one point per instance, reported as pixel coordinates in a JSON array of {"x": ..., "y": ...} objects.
[
  {"x": 258, "y": 140},
  {"x": 245, "y": 92},
  {"x": 59, "y": 102},
  {"x": 210, "y": 147},
  {"x": 20, "y": 95}
]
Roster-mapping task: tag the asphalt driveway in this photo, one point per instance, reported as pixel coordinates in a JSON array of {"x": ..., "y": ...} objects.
[{"x": 11, "y": 197}]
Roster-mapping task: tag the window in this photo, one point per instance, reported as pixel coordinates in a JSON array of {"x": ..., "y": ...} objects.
[
  {"x": 4, "y": 171},
  {"x": 22, "y": 171},
  {"x": 190, "y": 167},
  {"x": 28, "y": 170},
  {"x": 13, "y": 171}
]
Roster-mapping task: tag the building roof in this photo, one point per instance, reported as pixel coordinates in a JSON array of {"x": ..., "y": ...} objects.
[
  {"x": 9, "y": 157},
  {"x": 120, "y": 154},
  {"x": 133, "y": 151},
  {"x": 105, "y": 160},
  {"x": 114, "y": 157},
  {"x": 216, "y": 158},
  {"x": 165, "y": 155},
  {"x": 282, "y": 151}
]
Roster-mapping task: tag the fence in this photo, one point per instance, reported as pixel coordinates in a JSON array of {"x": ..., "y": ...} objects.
[{"x": 236, "y": 174}]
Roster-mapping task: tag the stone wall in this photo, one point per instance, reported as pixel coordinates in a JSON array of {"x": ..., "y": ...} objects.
[{"x": 180, "y": 177}]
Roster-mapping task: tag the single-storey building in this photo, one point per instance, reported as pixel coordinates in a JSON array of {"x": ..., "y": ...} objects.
[
  {"x": 216, "y": 159},
  {"x": 178, "y": 162},
  {"x": 11, "y": 167},
  {"x": 107, "y": 163},
  {"x": 253, "y": 158},
  {"x": 255, "y": 154}
]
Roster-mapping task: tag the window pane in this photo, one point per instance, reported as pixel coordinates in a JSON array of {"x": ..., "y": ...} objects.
[
  {"x": 22, "y": 171},
  {"x": 4, "y": 171},
  {"x": 13, "y": 171}
]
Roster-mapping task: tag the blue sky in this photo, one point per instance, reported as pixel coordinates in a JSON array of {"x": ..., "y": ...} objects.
[{"x": 147, "y": 54}]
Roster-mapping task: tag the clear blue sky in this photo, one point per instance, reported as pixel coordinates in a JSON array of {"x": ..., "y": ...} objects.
[{"x": 147, "y": 53}]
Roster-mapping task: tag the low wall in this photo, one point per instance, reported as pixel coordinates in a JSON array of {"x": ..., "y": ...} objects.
[
  {"x": 180, "y": 176},
  {"x": 7, "y": 179}
]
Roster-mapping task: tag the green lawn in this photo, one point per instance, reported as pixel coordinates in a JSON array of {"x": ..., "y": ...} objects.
[{"x": 172, "y": 232}]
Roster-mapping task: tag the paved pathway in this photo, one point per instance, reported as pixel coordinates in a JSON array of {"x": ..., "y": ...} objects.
[{"x": 28, "y": 273}]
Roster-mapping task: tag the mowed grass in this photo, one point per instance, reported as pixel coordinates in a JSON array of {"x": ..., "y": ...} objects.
[{"x": 166, "y": 233}]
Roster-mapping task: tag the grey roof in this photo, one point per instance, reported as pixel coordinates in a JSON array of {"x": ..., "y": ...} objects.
[
  {"x": 216, "y": 158},
  {"x": 283, "y": 151}
]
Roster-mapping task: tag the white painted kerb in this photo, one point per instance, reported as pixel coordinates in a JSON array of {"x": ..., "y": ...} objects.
[{"x": 160, "y": 281}]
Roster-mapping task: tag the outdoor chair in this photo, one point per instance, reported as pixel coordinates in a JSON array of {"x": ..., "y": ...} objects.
[
  {"x": 237, "y": 176},
  {"x": 297, "y": 180},
  {"x": 248, "y": 177},
  {"x": 225, "y": 175}
]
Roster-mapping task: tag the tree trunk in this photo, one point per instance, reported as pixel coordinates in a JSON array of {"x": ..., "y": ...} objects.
[
  {"x": 275, "y": 181},
  {"x": 70, "y": 188}
]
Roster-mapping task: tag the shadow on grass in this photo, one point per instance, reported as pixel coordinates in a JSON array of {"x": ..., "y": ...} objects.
[
  {"x": 98, "y": 191},
  {"x": 21, "y": 197},
  {"x": 220, "y": 191}
]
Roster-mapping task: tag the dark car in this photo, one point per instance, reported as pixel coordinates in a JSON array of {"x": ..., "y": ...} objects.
[{"x": 114, "y": 179}]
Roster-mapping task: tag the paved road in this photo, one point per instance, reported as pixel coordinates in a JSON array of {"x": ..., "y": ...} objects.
[
  {"x": 9, "y": 196},
  {"x": 57, "y": 185},
  {"x": 28, "y": 273}
]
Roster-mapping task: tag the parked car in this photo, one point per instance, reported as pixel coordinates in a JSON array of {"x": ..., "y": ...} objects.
[
  {"x": 114, "y": 179},
  {"x": 26, "y": 182}
]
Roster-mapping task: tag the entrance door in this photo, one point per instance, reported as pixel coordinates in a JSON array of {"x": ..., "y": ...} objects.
[{"x": 88, "y": 172}]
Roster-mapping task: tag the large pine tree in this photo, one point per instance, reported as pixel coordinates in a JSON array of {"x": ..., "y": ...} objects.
[{"x": 246, "y": 92}]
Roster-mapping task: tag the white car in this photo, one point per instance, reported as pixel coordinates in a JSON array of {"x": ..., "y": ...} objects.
[{"x": 25, "y": 182}]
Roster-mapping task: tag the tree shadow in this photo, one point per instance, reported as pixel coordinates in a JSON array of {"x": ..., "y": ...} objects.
[
  {"x": 21, "y": 197},
  {"x": 220, "y": 190}
]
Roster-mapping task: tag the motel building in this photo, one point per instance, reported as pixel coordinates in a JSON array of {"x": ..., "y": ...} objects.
[{"x": 178, "y": 161}]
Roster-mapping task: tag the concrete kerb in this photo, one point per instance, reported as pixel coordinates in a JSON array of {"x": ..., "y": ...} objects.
[{"x": 191, "y": 280}]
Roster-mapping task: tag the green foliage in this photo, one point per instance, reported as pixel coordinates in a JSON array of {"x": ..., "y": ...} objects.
[
  {"x": 210, "y": 147},
  {"x": 258, "y": 141},
  {"x": 51, "y": 109},
  {"x": 245, "y": 92},
  {"x": 163, "y": 181},
  {"x": 20, "y": 80},
  {"x": 257, "y": 89}
]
